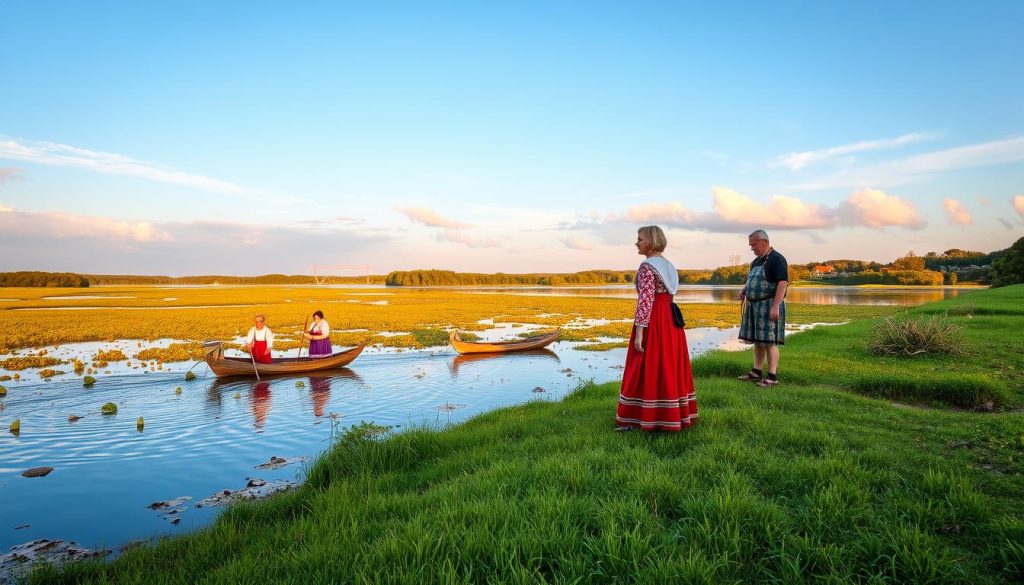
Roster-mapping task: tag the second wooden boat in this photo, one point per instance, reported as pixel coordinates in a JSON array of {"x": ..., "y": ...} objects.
[
  {"x": 535, "y": 342},
  {"x": 238, "y": 366}
]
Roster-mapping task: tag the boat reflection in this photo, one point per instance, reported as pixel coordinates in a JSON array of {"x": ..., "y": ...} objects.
[
  {"x": 259, "y": 392},
  {"x": 524, "y": 357}
]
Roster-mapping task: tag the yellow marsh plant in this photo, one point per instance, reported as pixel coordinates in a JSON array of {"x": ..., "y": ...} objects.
[{"x": 909, "y": 337}]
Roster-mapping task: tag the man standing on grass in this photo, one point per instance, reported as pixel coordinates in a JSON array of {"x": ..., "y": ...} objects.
[{"x": 764, "y": 309}]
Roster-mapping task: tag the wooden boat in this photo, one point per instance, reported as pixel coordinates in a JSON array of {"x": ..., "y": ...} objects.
[
  {"x": 238, "y": 366},
  {"x": 535, "y": 342}
]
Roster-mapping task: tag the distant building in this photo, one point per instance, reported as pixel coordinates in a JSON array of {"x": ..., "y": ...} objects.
[{"x": 822, "y": 269}]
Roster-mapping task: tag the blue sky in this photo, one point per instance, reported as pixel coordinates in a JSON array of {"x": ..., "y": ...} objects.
[{"x": 243, "y": 138}]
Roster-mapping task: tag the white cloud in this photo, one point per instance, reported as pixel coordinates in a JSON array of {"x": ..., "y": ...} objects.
[
  {"x": 784, "y": 212},
  {"x": 875, "y": 208},
  {"x": 1018, "y": 204},
  {"x": 919, "y": 167},
  {"x": 956, "y": 211},
  {"x": 459, "y": 237},
  {"x": 63, "y": 155},
  {"x": 6, "y": 209},
  {"x": 797, "y": 160},
  {"x": 576, "y": 243},
  {"x": 431, "y": 218}
]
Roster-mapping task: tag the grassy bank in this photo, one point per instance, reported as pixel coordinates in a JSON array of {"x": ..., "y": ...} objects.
[
  {"x": 990, "y": 373},
  {"x": 801, "y": 483}
]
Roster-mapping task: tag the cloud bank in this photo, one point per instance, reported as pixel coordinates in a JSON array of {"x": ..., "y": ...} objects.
[{"x": 957, "y": 213}]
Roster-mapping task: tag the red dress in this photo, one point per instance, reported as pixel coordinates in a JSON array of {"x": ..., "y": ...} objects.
[{"x": 657, "y": 385}]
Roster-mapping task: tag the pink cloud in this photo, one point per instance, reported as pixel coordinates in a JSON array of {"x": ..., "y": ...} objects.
[
  {"x": 59, "y": 225},
  {"x": 875, "y": 208},
  {"x": 784, "y": 212},
  {"x": 458, "y": 237},
  {"x": 575, "y": 243},
  {"x": 671, "y": 213},
  {"x": 1018, "y": 204},
  {"x": 430, "y": 218},
  {"x": 956, "y": 211},
  {"x": 8, "y": 173}
]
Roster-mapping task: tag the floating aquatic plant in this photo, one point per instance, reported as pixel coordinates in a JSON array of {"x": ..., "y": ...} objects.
[
  {"x": 88, "y": 381},
  {"x": 109, "y": 408}
]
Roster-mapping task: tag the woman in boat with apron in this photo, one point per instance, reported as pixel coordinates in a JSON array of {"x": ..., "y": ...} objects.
[
  {"x": 259, "y": 341},
  {"x": 319, "y": 336}
]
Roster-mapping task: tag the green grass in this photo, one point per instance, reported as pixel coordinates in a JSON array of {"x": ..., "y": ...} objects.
[
  {"x": 806, "y": 482},
  {"x": 992, "y": 371}
]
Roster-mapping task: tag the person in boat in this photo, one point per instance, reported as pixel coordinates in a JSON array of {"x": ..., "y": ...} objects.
[
  {"x": 657, "y": 383},
  {"x": 259, "y": 341},
  {"x": 763, "y": 322},
  {"x": 319, "y": 336}
]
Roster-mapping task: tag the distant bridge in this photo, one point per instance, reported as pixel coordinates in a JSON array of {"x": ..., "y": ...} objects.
[{"x": 322, "y": 278}]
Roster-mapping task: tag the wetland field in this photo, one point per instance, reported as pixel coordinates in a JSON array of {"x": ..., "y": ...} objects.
[{"x": 178, "y": 452}]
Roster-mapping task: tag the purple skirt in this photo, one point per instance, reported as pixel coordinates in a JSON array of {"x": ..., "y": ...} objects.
[{"x": 320, "y": 347}]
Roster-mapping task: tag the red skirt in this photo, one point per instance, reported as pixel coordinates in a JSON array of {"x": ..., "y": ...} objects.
[{"x": 657, "y": 385}]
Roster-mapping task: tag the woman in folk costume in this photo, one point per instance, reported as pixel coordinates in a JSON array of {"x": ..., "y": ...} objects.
[
  {"x": 259, "y": 341},
  {"x": 657, "y": 385},
  {"x": 319, "y": 336}
]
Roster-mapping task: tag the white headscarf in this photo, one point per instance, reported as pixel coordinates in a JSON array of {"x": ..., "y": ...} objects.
[{"x": 667, "y": 272}]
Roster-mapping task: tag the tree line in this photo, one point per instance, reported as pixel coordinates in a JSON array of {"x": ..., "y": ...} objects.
[{"x": 43, "y": 279}]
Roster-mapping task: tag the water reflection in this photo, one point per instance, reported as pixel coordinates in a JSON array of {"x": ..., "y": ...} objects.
[
  {"x": 320, "y": 390},
  {"x": 816, "y": 295},
  {"x": 260, "y": 403},
  {"x": 507, "y": 358}
]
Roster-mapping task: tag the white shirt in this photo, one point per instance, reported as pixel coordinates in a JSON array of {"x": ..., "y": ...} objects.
[
  {"x": 325, "y": 329},
  {"x": 264, "y": 334}
]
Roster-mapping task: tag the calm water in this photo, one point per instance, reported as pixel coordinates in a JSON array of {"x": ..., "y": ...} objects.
[
  {"x": 818, "y": 295},
  {"x": 206, "y": 439}
]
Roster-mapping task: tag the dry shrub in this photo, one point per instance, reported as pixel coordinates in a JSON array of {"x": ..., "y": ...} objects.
[{"x": 924, "y": 335}]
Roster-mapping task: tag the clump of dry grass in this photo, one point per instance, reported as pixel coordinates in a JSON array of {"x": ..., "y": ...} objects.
[
  {"x": 909, "y": 337},
  {"x": 961, "y": 309}
]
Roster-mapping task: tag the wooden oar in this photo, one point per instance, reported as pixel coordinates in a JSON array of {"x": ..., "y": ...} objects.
[
  {"x": 303, "y": 330},
  {"x": 253, "y": 358}
]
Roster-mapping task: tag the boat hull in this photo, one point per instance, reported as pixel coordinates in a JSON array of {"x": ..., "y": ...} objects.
[
  {"x": 224, "y": 367},
  {"x": 536, "y": 342}
]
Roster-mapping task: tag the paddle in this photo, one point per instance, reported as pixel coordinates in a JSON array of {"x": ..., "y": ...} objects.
[
  {"x": 303, "y": 330},
  {"x": 254, "y": 368}
]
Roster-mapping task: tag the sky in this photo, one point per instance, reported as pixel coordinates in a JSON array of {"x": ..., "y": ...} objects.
[{"x": 240, "y": 138}]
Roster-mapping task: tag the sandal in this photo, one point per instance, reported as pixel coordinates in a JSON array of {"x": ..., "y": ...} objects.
[
  {"x": 766, "y": 383},
  {"x": 749, "y": 377},
  {"x": 623, "y": 429}
]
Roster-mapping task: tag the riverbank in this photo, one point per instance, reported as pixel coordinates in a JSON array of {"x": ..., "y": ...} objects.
[{"x": 804, "y": 482}]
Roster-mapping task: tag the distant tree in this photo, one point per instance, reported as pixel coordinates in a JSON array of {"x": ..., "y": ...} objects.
[
  {"x": 909, "y": 262},
  {"x": 953, "y": 277},
  {"x": 1009, "y": 268}
]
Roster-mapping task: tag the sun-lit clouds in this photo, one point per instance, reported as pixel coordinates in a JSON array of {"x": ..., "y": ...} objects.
[
  {"x": 8, "y": 173},
  {"x": 956, "y": 211},
  {"x": 577, "y": 243},
  {"x": 5, "y": 209},
  {"x": 784, "y": 212},
  {"x": 63, "y": 155},
  {"x": 59, "y": 225},
  {"x": 795, "y": 161},
  {"x": 430, "y": 218},
  {"x": 671, "y": 213},
  {"x": 876, "y": 208},
  {"x": 1018, "y": 204}
]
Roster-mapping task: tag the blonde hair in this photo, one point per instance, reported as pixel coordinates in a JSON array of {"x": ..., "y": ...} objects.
[{"x": 655, "y": 236}]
